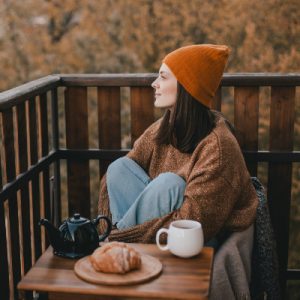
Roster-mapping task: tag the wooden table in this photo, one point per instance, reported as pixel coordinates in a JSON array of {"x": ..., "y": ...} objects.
[{"x": 180, "y": 279}]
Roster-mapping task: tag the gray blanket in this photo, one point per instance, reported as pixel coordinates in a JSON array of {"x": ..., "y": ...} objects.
[
  {"x": 250, "y": 251},
  {"x": 232, "y": 267}
]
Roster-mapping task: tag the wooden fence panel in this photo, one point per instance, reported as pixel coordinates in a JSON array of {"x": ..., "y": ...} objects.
[
  {"x": 142, "y": 110},
  {"x": 109, "y": 121},
  {"x": 22, "y": 167},
  {"x": 9, "y": 174},
  {"x": 35, "y": 188},
  {"x": 44, "y": 150},
  {"x": 246, "y": 104},
  {"x": 280, "y": 174},
  {"x": 77, "y": 138}
]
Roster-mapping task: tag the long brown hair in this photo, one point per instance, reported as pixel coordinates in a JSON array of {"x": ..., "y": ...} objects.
[{"x": 187, "y": 125}]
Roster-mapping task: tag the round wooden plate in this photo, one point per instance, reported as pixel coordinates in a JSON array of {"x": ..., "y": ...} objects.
[{"x": 151, "y": 267}]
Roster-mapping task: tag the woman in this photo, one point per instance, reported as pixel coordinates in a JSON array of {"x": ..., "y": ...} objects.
[{"x": 187, "y": 165}]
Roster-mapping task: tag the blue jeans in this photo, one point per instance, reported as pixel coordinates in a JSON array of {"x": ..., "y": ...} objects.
[{"x": 134, "y": 198}]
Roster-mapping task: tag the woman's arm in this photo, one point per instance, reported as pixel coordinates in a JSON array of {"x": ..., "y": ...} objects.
[
  {"x": 143, "y": 147},
  {"x": 208, "y": 199}
]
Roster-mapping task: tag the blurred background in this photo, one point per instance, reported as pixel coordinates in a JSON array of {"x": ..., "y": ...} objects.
[{"x": 42, "y": 37}]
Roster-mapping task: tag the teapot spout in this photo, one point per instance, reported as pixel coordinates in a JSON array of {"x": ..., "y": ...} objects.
[{"x": 54, "y": 235}]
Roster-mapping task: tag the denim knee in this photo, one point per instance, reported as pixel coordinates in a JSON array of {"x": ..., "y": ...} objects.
[
  {"x": 125, "y": 166},
  {"x": 172, "y": 186},
  {"x": 116, "y": 165},
  {"x": 169, "y": 180}
]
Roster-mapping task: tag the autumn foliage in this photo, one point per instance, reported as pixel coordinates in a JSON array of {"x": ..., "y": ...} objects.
[{"x": 39, "y": 38}]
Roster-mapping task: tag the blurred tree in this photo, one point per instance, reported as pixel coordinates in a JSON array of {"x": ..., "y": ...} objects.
[{"x": 92, "y": 36}]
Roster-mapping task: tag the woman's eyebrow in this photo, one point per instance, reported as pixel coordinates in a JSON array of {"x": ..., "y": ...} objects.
[{"x": 163, "y": 72}]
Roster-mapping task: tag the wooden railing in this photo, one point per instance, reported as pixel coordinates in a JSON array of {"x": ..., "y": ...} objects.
[{"x": 32, "y": 152}]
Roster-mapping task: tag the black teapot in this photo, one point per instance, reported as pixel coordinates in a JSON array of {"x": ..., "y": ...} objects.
[{"x": 76, "y": 236}]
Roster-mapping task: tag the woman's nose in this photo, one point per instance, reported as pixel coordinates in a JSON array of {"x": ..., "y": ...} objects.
[{"x": 154, "y": 84}]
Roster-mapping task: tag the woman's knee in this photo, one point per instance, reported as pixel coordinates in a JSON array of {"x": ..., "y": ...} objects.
[
  {"x": 169, "y": 180},
  {"x": 117, "y": 165},
  {"x": 126, "y": 168},
  {"x": 169, "y": 191}
]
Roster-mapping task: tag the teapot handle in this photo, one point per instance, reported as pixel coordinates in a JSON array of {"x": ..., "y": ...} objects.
[{"x": 108, "y": 229}]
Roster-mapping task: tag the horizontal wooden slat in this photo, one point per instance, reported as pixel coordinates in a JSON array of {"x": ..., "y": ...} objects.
[
  {"x": 28, "y": 90},
  {"x": 109, "y": 80},
  {"x": 261, "y": 79},
  {"x": 272, "y": 156},
  {"x": 251, "y": 156},
  {"x": 293, "y": 274},
  {"x": 22, "y": 179},
  {"x": 140, "y": 79}
]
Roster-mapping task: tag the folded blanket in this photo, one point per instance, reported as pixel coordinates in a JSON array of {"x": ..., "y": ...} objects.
[
  {"x": 232, "y": 267},
  {"x": 246, "y": 264}
]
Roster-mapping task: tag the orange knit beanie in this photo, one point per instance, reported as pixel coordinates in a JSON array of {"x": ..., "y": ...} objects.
[{"x": 199, "y": 69}]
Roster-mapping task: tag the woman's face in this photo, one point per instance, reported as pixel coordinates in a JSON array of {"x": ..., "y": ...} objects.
[{"x": 165, "y": 86}]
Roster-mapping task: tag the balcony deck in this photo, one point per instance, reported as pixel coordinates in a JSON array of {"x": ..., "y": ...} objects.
[{"x": 37, "y": 114}]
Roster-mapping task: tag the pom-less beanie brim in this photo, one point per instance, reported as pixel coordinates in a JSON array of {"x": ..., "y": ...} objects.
[{"x": 199, "y": 69}]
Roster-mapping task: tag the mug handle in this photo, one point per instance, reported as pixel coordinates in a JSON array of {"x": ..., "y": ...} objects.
[
  {"x": 108, "y": 229},
  {"x": 159, "y": 232}
]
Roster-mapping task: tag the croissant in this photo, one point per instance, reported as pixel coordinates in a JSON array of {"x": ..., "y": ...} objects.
[{"x": 115, "y": 257}]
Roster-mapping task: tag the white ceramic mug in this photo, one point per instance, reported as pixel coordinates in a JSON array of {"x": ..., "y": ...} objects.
[{"x": 185, "y": 238}]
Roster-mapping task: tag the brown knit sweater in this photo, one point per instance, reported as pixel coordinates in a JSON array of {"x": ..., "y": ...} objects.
[{"x": 219, "y": 192}]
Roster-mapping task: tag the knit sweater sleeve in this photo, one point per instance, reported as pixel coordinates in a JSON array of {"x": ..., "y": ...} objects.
[{"x": 143, "y": 147}]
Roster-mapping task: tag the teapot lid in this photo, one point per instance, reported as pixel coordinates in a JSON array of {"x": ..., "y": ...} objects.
[{"x": 77, "y": 219}]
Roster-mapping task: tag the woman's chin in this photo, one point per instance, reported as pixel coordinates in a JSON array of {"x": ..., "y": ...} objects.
[{"x": 161, "y": 105}]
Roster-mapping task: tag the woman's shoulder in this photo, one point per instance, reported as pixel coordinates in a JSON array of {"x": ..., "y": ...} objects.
[{"x": 220, "y": 143}]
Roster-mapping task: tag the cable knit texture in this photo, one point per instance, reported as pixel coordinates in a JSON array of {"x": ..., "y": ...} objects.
[{"x": 219, "y": 192}]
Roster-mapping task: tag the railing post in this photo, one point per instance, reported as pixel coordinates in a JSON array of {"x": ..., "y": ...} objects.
[
  {"x": 9, "y": 174},
  {"x": 78, "y": 171},
  {"x": 55, "y": 143},
  {"x": 280, "y": 174}
]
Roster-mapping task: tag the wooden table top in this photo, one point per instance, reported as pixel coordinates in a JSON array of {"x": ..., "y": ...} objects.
[{"x": 180, "y": 279}]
